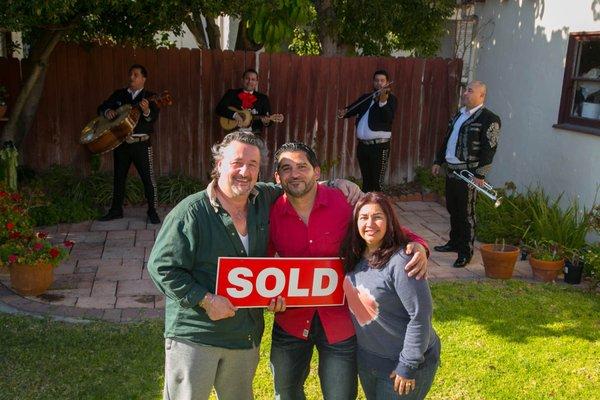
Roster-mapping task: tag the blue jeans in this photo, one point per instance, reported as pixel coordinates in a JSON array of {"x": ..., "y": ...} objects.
[
  {"x": 290, "y": 364},
  {"x": 378, "y": 385}
]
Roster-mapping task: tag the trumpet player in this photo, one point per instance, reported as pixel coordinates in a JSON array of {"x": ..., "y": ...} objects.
[{"x": 470, "y": 144}]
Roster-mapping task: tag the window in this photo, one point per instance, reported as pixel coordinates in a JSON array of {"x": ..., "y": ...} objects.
[{"x": 580, "y": 101}]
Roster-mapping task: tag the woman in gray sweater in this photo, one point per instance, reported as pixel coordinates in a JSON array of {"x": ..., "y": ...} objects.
[{"x": 398, "y": 350}]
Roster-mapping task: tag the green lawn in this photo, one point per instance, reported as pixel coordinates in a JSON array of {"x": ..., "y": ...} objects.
[{"x": 500, "y": 340}]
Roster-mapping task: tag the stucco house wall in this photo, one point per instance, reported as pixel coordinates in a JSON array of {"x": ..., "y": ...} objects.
[{"x": 520, "y": 54}]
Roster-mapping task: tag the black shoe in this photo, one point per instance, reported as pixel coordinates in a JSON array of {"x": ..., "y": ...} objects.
[
  {"x": 110, "y": 215},
  {"x": 461, "y": 261},
  {"x": 153, "y": 216},
  {"x": 447, "y": 248}
]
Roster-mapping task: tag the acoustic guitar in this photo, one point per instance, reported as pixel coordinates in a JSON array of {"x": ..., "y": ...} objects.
[
  {"x": 103, "y": 134},
  {"x": 247, "y": 118}
]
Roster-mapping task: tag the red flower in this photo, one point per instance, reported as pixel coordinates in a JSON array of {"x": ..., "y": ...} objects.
[
  {"x": 10, "y": 226},
  {"x": 41, "y": 235},
  {"x": 15, "y": 197},
  {"x": 38, "y": 246},
  {"x": 3, "y": 193},
  {"x": 54, "y": 252},
  {"x": 14, "y": 235},
  {"x": 68, "y": 244},
  {"x": 12, "y": 258}
]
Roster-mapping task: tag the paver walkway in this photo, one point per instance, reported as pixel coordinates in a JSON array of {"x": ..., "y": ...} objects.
[{"x": 106, "y": 277}]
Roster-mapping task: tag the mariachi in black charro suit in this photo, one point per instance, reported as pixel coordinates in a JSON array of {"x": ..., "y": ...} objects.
[
  {"x": 256, "y": 102},
  {"x": 137, "y": 149},
  {"x": 373, "y": 153},
  {"x": 476, "y": 146}
]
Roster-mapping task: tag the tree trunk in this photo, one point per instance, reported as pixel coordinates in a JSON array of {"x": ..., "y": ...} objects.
[
  {"x": 197, "y": 29},
  {"x": 25, "y": 107},
  {"x": 213, "y": 32},
  {"x": 243, "y": 41},
  {"x": 326, "y": 30}
]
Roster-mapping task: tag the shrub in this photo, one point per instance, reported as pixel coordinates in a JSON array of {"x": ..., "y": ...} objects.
[
  {"x": 591, "y": 266},
  {"x": 505, "y": 223},
  {"x": 63, "y": 195},
  {"x": 435, "y": 184}
]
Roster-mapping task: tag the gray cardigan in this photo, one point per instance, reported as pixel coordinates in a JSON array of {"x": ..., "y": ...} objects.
[{"x": 392, "y": 317}]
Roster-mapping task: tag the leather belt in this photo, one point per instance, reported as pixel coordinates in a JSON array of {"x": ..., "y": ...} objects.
[
  {"x": 456, "y": 167},
  {"x": 373, "y": 141},
  {"x": 138, "y": 138}
]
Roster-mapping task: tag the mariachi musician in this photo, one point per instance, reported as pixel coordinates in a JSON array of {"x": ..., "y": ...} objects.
[
  {"x": 375, "y": 114},
  {"x": 137, "y": 147},
  {"x": 246, "y": 98}
]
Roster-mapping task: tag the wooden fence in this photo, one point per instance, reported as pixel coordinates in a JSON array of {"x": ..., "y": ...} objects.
[{"x": 307, "y": 90}]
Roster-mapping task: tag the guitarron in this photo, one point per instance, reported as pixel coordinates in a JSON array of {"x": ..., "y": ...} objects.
[{"x": 103, "y": 134}]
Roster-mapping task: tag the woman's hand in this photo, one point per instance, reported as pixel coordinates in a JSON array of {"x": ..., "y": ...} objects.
[{"x": 402, "y": 385}]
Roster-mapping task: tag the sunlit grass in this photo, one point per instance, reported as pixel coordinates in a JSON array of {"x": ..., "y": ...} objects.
[{"x": 500, "y": 340}]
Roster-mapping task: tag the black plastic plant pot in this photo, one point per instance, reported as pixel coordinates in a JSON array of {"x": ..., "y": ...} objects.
[{"x": 573, "y": 272}]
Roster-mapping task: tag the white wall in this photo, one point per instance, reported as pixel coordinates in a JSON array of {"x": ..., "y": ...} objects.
[
  {"x": 522, "y": 60},
  {"x": 229, "y": 29}
]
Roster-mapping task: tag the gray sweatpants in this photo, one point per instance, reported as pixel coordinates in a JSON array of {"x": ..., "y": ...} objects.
[{"x": 191, "y": 371}]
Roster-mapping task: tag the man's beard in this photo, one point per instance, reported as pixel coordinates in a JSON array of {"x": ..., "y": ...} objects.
[
  {"x": 298, "y": 191},
  {"x": 238, "y": 190}
]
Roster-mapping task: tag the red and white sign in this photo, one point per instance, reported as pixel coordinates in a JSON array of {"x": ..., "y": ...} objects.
[{"x": 253, "y": 282}]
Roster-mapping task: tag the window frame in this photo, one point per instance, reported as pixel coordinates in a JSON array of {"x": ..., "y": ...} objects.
[{"x": 565, "y": 119}]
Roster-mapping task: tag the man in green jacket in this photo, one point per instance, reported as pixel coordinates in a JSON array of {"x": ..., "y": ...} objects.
[{"x": 208, "y": 341}]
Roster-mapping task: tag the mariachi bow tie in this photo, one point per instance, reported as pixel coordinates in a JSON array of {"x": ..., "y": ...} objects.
[{"x": 248, "y": 100}]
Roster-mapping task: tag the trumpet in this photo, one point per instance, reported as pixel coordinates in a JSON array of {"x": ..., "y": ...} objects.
[{"x": 487, "y": 189}]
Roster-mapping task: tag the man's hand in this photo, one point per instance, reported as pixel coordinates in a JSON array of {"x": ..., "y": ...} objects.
[
  {"x": 349, "y": 189},
  {"x": 218, "y": 307},
  {"x": 110, "y": 114},
  {"x": 402, "y": 385},
  {"x": 145, "y": 106},
  {"x": 417, "y": 266},
  {"x": 435, "y": 169},
  {"x": 277, "y": 305},
  {"x": 341, "y": 112},
  {"x": 479, "y": 182},
  {"x": 238, "y": 119}
]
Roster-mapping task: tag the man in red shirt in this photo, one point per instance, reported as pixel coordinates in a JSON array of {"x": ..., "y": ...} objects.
[{"x": 311, "y": 220}]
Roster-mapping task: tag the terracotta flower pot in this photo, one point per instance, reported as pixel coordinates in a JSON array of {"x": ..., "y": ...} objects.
[
  {"x": 31, "y": 280},
  {"x": 499, "y": 260},
  {"x": 546, "y": 271}
]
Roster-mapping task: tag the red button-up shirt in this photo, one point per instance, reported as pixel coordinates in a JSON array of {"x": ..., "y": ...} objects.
[{"x": 289, "y": 236}]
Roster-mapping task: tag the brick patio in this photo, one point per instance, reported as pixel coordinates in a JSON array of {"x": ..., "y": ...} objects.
[{"x": 106, "y": 278}]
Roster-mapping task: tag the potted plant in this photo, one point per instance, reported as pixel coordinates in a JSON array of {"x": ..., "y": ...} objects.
[
  {"x": 574, "y": 264},
  {"x": 28, "y": 255},
  {"x": 3, "y": 97},
  {"x": 546, "y": 259},
  {"x": 499, "y": 259}
]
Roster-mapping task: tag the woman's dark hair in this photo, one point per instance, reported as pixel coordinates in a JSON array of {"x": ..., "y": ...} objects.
[{"x": 394, "y": 238}]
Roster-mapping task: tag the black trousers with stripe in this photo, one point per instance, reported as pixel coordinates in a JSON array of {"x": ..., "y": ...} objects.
[
  {"x": 372, "y": 161},
  {"x": 140, "y": 154},
  {"x": 460, "y": 203}
]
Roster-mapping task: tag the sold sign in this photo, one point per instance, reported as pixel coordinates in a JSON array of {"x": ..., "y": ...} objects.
[{"x": 253, "y": 282}]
